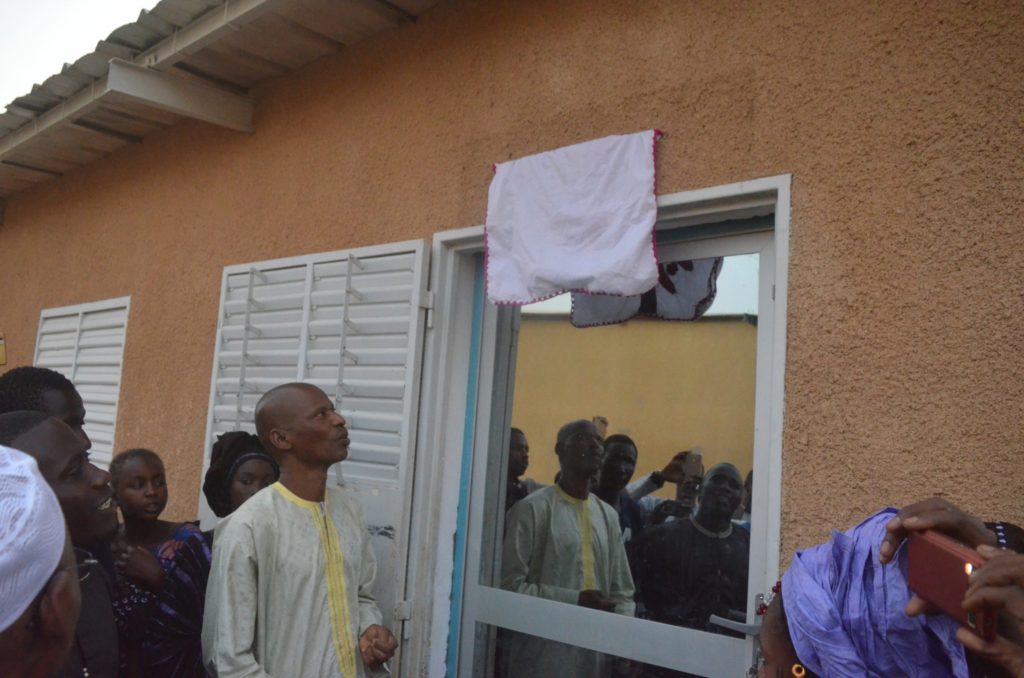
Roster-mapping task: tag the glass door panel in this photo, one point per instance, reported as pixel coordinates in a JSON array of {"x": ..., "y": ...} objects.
[{"x": 672, "y": 537}]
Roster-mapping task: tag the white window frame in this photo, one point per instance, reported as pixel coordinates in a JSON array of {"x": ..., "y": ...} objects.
[
  {"x": 99, "y": 455},
  {"x": 443, "y": 421}
]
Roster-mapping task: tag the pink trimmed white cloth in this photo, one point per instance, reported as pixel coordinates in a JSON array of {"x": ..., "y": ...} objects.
[{"x": 579, "y": 218}]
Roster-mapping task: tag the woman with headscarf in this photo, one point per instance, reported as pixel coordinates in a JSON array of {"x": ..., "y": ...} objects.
[
  {"x": 840, "y": 610},
  {"x": 239, "y": 468}
]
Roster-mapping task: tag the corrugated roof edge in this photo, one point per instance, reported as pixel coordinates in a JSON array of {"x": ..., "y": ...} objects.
[{"x": 125, "y": 42}]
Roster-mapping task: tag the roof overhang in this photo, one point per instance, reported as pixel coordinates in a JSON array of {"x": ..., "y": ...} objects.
[{"x": 182, "y": 59}]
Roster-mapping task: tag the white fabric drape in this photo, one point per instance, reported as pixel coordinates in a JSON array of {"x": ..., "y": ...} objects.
[{"x": 574, "y": 218}]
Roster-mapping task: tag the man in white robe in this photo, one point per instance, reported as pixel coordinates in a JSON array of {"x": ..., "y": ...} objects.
[
  {"x": 565, "y": 544},
  {"x": 289, "y": 589}
]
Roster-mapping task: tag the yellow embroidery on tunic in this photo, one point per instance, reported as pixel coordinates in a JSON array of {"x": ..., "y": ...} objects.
[
  {"x": 334, "y": 571},
  {"x": 586, "y": 529}
]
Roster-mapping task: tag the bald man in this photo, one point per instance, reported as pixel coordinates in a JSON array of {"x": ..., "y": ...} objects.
[{"x": 289, "y": 589}]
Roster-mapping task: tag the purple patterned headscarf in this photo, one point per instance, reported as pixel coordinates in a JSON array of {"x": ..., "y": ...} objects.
[{"x": 845, "y": 612}]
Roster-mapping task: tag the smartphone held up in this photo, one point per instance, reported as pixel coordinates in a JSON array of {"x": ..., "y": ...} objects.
[{"x": 939, "y": 571}]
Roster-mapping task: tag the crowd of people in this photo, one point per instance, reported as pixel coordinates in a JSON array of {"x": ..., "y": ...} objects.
[
  {"x": 283, "y": 586},
  {"x": 596, "y": 540}
]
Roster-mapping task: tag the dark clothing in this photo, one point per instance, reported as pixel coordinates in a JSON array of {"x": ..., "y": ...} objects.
[
  {"x": 631, "y": 519},
  {"x": 95, "y": 647},
  {"x": 1008, "y": 535},
  {"x": 685, "y": 576},
  {"x": 135, "y": 606},
  {"x": 173, "y": 647}
]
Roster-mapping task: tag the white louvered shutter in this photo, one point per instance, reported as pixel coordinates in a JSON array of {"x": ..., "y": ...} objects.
[
  {"x": 85, "y": 343},
  {"x": 350, "y": 322}
]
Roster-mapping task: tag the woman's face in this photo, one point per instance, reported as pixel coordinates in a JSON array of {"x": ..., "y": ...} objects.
[
  {"x": 142, "y": 489},
  {"x": 778, "y": 657},
  {"x": 250, "y": 478}
]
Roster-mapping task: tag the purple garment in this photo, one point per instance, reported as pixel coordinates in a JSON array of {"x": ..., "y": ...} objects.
[{"x": 845, "y": 612}]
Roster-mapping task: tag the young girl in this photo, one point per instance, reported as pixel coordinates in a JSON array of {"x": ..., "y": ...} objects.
[
  {"x": 239, "y": 468},
  {"x": 145, "y": 550}
]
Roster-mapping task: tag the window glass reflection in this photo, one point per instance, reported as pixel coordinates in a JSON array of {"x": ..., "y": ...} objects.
[{"x": 641, "y": 505}]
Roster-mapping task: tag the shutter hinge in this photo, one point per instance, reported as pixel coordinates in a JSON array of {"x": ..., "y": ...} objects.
[
  {"x": 403, "y": 610},
  {"x": 773, "y": 292},
  {"x": 427, "y": 303}
]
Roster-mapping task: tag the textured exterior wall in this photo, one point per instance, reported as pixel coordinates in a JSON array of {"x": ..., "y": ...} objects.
[
  {"x": 900, "y": 122},
  {"x": 668, "y": 386}
]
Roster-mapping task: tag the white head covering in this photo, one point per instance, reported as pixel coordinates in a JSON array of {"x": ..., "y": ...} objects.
[{"x": 31, "y": 534}]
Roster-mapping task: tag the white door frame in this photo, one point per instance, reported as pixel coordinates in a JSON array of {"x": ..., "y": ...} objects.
[{"x": 443, "y": 431}]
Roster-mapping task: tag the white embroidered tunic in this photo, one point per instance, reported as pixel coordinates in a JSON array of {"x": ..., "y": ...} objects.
[{"x": 289, "y": 589}]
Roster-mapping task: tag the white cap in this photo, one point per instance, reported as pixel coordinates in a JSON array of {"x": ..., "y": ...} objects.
[{"x": 31, "y": 534}]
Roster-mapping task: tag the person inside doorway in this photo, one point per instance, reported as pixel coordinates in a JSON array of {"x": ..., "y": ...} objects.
[
  {"x": 518, "y": 461},
  {"x": 697, "y": 567},
  {"x": 87, "y": 502},
  {"x": 566, "y": 545},
  {"x": 620, "y": 457},
  {"x": 290, "y": 585}
]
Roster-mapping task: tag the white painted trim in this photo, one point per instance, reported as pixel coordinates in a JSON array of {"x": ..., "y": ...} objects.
[
  {"x": 648, "y": 641},
  {"x": 87, "y": 307},
  {"x": 708, "y": 205},
  {"x": 181, "y": 96}
]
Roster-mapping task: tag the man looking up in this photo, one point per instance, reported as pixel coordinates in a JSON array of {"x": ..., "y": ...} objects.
[
  {"x": 39, "y": 592},
  {"x": 697, "y": 566},
  {"x": 86, "y": 500},
  {"x": 565, "y": 545},
  {"x": 289, "y": 589},
  {"x": 43, "y": 390},
  {"x": 518, "y": 462}
]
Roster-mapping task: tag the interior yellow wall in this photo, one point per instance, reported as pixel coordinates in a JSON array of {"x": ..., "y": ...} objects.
[{"x": 669, "y": 386}]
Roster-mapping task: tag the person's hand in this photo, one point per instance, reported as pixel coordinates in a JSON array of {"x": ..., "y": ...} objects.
[
  {"x": 377, "y": 645},
  {"x": 138, "y": 564},
  {"x": 1000, "y": 651},
  {"x": 933, "y": 514},
  {"x": 998, "y": 585},
  {"x": 666, "y": 509},
  {"x": 596, "y": 600},
  {"x": 674, "y": 472}
]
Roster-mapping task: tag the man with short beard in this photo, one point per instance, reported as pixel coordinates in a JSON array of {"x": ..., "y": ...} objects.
[
  {"x": 86, "y": 500},
  {"x": 290, "y": 585},
  {"x": 564, "y": 544},
  {"x": 697, "y": 566}
]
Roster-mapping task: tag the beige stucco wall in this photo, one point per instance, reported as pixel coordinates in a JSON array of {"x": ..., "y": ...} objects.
[
  {"x": 669, "y": 386},
  {"x": 900, "y": 121}
]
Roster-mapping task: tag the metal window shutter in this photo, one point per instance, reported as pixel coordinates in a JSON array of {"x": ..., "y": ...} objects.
[
  {"x": 85, "y": 343},
  {"x": 350, "y": 322}
]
